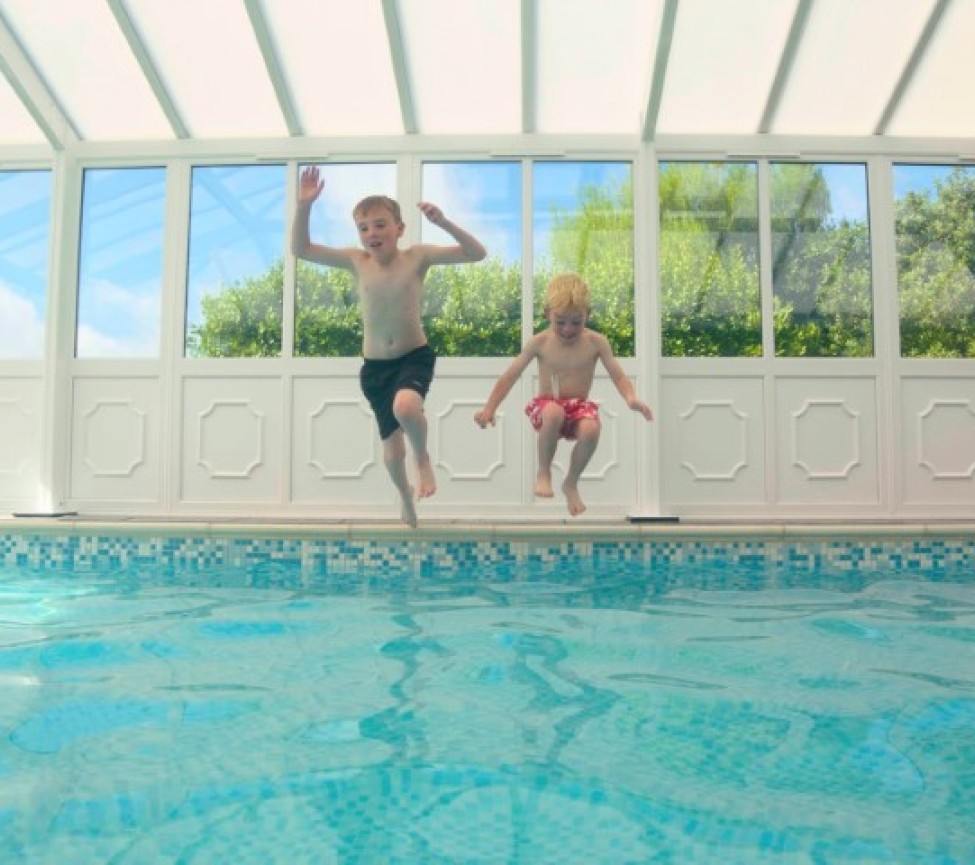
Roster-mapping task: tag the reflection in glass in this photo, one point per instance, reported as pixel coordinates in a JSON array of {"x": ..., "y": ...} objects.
[
  {"x": 327, "y": 318},
  {"x": 474, "y": 310},
  {"x": 25, "y": 224},
  {"x": 583, "y": 223},
  {"x": 935, "y": 231},
  {"x": 821, "y": 260},
  {"x": 236, "y": 261},
  {"x": 709, "y": 277},
  {"x": 121, "y": 262}
]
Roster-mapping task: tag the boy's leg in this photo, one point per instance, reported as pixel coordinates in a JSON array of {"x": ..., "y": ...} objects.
[
  {"x": 553, "y": 416},
  {"x": 394, "y": 455},
  {"x": 408, "y": 409},
  {"x": 587, "y": 437}
]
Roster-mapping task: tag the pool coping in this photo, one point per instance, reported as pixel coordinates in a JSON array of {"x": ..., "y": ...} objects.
[{"x": 448, "y": 530}]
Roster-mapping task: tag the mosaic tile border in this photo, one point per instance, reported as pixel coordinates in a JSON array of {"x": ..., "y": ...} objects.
[{"x": 106, "y": 552}]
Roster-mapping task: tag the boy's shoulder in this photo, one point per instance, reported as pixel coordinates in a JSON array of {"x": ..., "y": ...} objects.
[{"x": 595, "y": 337}]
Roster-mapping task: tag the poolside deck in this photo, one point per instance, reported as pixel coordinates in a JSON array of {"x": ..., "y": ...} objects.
[{"x": 582, "y": 529}]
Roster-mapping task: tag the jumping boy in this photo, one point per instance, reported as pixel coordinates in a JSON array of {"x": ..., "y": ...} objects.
[
  {"x": 398, "y": 364},
  {"x": 566, "y": 352}
]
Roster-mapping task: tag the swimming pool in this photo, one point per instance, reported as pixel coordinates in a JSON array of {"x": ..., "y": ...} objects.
[{"x": 223, "y": 699}]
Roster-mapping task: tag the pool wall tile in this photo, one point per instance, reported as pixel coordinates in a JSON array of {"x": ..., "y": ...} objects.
[{"x": 106, "y": 552}]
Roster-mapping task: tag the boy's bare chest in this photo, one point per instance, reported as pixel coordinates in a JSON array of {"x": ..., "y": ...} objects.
[
  {"x": 383, "y": 282},
  {"x": 569, "y": 358}
]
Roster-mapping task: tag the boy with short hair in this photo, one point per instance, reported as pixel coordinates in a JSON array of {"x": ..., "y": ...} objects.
[
  {"x": 567, "y": 352},
  {"x": 398, "y": 364}
]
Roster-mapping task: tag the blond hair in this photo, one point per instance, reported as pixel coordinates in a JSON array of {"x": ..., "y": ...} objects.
[
  {"x": 372, "y": 201},
  {"x": 565, "y": 292}
]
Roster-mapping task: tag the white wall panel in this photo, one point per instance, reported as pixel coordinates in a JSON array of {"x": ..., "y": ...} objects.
[
  {"x": 938, "y": 442},
  {"x": 476, "y": 467},
  {"x": 495, "y": 468},
  {"x": 232, "y": 442},
  {"x": 336, "y": 456},
  {"x": 713, "y": 441},
  {"x": 115, "y": 440},
  {"x": 827, "y": 447},
  {"x": 20, "y": 423}
]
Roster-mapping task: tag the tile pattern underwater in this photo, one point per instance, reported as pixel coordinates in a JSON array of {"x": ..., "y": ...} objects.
[{"x": 209, "y": 700}]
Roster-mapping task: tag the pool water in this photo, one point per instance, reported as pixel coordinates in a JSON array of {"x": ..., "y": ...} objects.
[{"x": 581, "y": 711}]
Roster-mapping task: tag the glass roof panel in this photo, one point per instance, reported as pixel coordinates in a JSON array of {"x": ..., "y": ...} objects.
[
  {"x": 209, "y": 59},
  {"x": 16, "y": 125},
  {"x": 594, "y": 64},
  {"x": 465, "y": 64},
  {"x": 337, "y": 64},
  {"x": 81, "y": 53},
  {"x": 939, "y": 101},
  {"x": 722, "y": 65},
  {"x": 851, "y": 58}
]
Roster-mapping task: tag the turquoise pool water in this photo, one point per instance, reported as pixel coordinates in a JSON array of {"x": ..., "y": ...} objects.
[{"x": 264, "y": 701}]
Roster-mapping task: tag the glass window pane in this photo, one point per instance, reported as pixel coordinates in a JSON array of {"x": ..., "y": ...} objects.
[
  {"x": 710, "y": 297},
  {"x": 236, "y": 261},
  {"x": 474, "y": 310},
  {"x": 328, "y": 322},
  {"x": 821, "y": 260},
  {"x": 121, "y": 261},
  {"x": 25, "y": 226},
  {"x": 583, "y": 223},
  {"x": 935, "y": 229}
]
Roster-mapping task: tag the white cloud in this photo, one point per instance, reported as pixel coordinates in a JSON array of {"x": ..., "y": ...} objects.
[
  {"x": 21, "y": 329},
  {"x": 116, "y": 322}
]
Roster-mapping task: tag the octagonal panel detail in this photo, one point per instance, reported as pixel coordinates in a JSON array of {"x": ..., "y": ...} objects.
[
  {"x": 706, "y": 423},
  {"x": 113, "y": 435},
  {"x": 17, "y": 423},
  {"x": 489, "y": 441},
  {"x": 230, "y": 438},
  {"x": 826, "y": 439},
  {"x": 946, "y": 439},
  {"x": 356, "y": 454}
]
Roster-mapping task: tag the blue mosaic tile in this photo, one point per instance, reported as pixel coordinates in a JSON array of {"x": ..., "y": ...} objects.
[{"x": 340, "y": 556}]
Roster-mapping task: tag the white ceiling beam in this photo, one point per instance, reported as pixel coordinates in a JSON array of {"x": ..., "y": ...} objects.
[
  {"x": 32, "y": 90},
  {"x": 786, "y": 62},
  {"x": 661, "y": 59},
  {"x": 911, "y": 67},
  {"x": 397, "y": 51},
  {"x": 275, "y": 69},
  {"x": 137, "y": 45},
  {"x": 529, "y": 66}
]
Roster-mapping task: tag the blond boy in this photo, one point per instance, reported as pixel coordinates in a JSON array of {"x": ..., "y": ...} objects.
[
  {"x": 567, "y": 352},
  {"x": 398, "y": 364}
]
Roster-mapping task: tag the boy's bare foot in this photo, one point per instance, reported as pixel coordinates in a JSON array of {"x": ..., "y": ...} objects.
[
  {"x": 426, "y": 477},
  {"x": 573, "y": 499},
  {"x": 408, "y": 510},
  {"x": 543, "y": 486}
]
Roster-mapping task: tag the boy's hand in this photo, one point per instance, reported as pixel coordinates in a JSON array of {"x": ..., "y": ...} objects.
[
  {"x": 484, "y": 417},
  {"x": 640, "y": 406},
  {"x": 432, "y": 212},
  {"x": 310, "y": 186}
]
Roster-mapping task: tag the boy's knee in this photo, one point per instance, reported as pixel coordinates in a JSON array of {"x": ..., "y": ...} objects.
[
  {"x": 588, "y": 430},
  {"x": 553, "y": 415},
  {"x": 407, "y": 404}
]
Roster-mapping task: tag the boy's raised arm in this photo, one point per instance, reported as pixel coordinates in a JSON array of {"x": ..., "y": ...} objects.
[
  {"x": 468, "y": 249},
  {"x": 309, "y": 188}
]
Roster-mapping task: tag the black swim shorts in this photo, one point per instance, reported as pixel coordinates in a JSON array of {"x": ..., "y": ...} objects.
[{"x": 381, "y": 379}]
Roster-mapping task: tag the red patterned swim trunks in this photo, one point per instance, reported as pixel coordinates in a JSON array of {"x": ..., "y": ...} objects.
[{"x": 575, "y": 411}]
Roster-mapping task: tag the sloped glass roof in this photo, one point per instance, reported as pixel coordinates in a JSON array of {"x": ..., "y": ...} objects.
[{"x": 143, "y": 70}]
